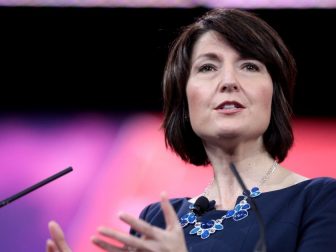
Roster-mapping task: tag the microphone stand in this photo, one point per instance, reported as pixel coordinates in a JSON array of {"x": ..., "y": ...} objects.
[
  {"x": 261, "y": 243},
  {"x": 34, "y": 187}
]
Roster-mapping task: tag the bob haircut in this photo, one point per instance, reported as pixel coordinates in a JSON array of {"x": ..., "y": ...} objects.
[{"x": 252, "y": 38}]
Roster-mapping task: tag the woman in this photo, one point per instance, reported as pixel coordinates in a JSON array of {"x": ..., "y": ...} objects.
[{"x": 227, "y": 88}]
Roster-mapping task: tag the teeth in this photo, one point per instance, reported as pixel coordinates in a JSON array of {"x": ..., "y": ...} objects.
[{"x": 229, "y": 106}]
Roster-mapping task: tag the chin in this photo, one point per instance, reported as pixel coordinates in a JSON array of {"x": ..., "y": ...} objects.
[{"x": 221, "y": 135}]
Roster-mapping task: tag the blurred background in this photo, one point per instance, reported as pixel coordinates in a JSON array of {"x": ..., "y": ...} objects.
[{"x": 81, "y": 87}]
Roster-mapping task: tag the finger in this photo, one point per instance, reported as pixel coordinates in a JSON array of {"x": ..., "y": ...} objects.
[
  {"x": 51, "y": 246},
  {"x": 140, "y": 225},
  {"x": 58, "y": 237},
  {"x": 168, "y": 212},
  {"x": 106, "y": 246},
  {"x": 128, "y": 240}
]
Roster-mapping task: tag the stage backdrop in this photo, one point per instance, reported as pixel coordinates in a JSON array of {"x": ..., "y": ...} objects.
[
  {"x": 71, "y": 60},
  {"x": 119, "y": 164}
]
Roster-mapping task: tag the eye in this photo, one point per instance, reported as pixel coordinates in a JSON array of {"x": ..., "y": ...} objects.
[
  {"x": 207, "y": 68},
  {"x": 251, "y": 67}
]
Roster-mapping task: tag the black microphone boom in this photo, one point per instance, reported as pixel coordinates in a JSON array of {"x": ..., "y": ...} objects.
[
  {"x": 34, "y": 187},
  {"x": 261, "y": 243}
]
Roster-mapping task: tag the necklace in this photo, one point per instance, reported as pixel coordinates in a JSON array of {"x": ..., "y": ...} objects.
[{"x": 204, "y": 228}]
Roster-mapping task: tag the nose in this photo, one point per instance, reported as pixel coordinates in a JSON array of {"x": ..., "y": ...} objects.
[
  {"x": 229, "y": 87},
  {"x": 229, "y": 81}
]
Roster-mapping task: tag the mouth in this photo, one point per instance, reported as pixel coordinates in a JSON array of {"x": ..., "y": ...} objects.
[{"x": 229, "y": 105}]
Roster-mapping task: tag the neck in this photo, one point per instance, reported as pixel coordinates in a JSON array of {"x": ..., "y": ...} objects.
[{"x": 252, "y": 165}]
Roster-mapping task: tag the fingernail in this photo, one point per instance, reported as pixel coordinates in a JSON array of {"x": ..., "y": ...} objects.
[
  {"x": 120, "y": 214},
  {"x": 163, "y": 194}
]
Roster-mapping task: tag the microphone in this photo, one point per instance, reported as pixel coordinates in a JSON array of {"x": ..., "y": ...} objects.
[
  {"x": 261, "y": 243},
  {"x": 34, "y": 187},
  {"x": 202, "y": 205}
]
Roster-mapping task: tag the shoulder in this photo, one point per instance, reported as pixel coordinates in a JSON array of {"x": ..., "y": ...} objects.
[
  {"x": 322, "y": 181},
  {"x": 308, "y": 198},
  {"x": 320, "y": 186},
  {"x": 314, "y": 190},
  {"x": 153, "y": 210},
  {"x": 153, "y": 214},
  {"x": 321, "y": 192},
  {"x": 310, "y": 187},
  {"x": 319, "y": 218}
]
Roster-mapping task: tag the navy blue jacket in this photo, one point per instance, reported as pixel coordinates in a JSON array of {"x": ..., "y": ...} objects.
[{"x": 300, "y": 218}]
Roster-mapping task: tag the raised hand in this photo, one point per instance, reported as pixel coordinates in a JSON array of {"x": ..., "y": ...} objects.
[{"x": 153, "y": 239}]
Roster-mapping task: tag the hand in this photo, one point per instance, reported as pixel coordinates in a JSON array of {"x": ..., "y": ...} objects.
[
  {"x": 153, "y": 239},
  {"x": 57, "y": 243}
]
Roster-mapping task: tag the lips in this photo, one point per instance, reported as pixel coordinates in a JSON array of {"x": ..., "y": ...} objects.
[{"x": 229, "y": 105}]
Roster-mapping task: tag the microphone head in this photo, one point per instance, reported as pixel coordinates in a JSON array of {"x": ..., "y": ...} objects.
[{"x": 201, "y": 205}]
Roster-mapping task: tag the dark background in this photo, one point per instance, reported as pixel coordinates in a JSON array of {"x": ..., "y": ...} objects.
[{"x": 108, "y": 60}]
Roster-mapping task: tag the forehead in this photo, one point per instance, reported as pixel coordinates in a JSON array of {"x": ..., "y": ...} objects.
[
  {"x": 210, "y": 36},
  {"x": 210, "y": 42}
]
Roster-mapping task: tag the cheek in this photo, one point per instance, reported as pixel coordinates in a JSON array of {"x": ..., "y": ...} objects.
[
  {"x": 197, "y": 98},
  {"x": 264, "y": 95},
  {"x": 268, "y": 97},
  {"x": 265, "y": 102},
  {"x": 193, "y": 98}
]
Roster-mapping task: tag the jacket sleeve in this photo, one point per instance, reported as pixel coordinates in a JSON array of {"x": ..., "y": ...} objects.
[{"x": 318, "y": 229}]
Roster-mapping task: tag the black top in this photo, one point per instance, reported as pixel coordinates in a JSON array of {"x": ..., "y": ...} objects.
[{"x": 299, "y": 218}]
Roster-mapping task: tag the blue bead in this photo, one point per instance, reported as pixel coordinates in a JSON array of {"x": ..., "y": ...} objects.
[
  {"x": 237, "y": 207},
  {"x": 184, "y": 223},
  {"x": 246, "y": 206},
  {"x": 255, "y": 194},
  {"x": 205, "y": 234},
  {"x": 185, "y": 217},
  {"x": 219, "y": 226},
  {"x": 191, "y": 218},
  {"x": 230, "y": 213},
  {"x": 194, "y": 230},
  {"x": 208, "y": 224},
  {"x": 240, "y": 215}
]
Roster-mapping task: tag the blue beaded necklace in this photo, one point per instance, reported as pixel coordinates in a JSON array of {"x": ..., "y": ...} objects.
[{"x": 204, "y": 228}]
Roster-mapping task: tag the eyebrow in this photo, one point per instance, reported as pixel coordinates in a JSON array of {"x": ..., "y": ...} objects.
[
  {"x": 211, "y": 56},
  {"x": 214, "y": 56}
]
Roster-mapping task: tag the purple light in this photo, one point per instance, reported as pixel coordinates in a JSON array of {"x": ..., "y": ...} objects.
[{"x": 118, "y": 165}]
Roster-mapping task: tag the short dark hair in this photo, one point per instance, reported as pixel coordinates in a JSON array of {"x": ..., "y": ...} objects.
[{"x": 252, "y": 37}]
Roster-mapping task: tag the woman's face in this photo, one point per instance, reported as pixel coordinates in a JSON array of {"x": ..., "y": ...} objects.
[{"x": 228, "y": 96}]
